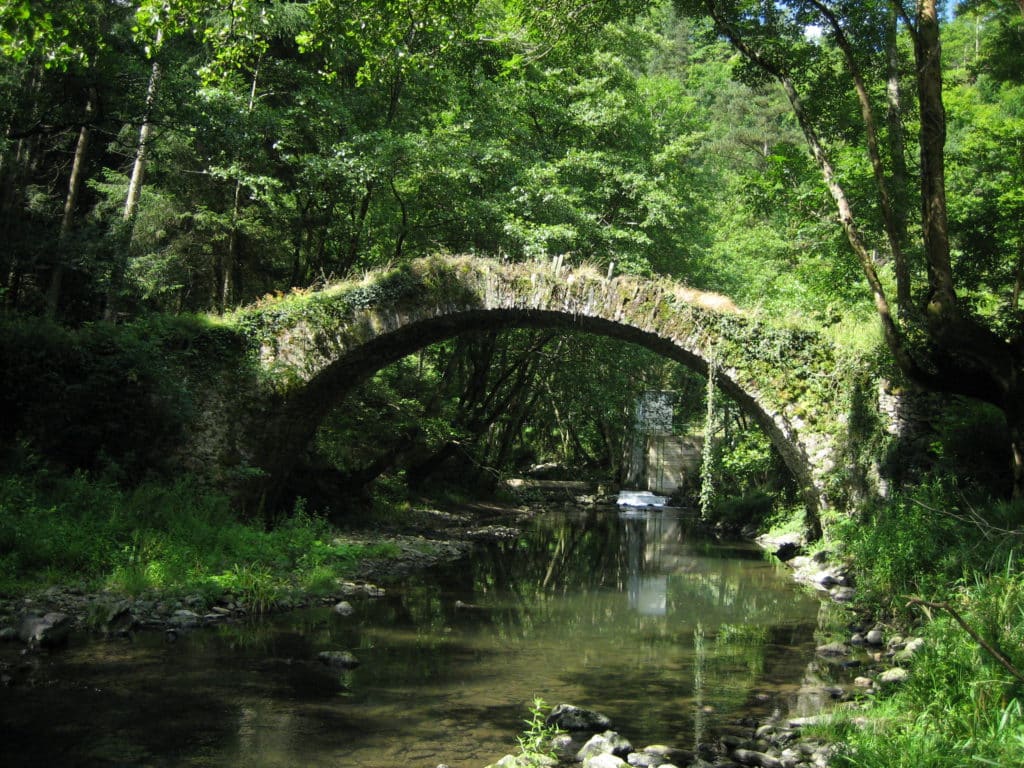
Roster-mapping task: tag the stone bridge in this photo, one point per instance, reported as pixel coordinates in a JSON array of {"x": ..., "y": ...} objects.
[{"x": 309, "y": 349}]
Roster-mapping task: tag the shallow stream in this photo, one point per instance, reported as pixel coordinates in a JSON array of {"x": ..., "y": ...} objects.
[{"x": 623, "y": 611}]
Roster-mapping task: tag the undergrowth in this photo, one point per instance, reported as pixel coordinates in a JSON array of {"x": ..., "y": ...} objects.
[
  {"x": 960, "y": 705},
  {"x": 162, "y": 537}
]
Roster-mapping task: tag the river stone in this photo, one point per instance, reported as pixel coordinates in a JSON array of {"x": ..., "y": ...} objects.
[
  {"x": 787, "y": 550},
  {"x": 833, "y": 649},
  {"x": 113, "y": 617},
  {"x": 344, "y": 608},
  {"x": 753, "y": 757},
  {"x": 894, "y": 675},
  {"x": 571, "y": 718},
  {"x": 874, "y": 637},
  {"x": 842, "y": 594},
  {"x": 607, "y": 743},
  {"x": 522, "y": 761},
  {"x": 913, "y": 646},
  {"x": 49, "y": 630},
  {"x": 338, "y": 659},
  {"x": 604, "y": 761},
  {"x": 565, "y": 746},
  {"x": 184, "y": 619},
  {"x": 659, "y": 756}
]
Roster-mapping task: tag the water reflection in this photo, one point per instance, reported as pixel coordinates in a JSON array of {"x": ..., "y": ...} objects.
[{"x": 670, "y": 635}]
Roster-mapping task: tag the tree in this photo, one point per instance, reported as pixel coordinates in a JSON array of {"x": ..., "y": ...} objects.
[{"x": 959, "y": 352}]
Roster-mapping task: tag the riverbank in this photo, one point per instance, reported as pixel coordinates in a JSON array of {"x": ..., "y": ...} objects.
[{"x": 426, "y": 538}]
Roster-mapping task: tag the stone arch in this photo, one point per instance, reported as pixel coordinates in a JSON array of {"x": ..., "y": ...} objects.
[{"x": 312, "y": 348}]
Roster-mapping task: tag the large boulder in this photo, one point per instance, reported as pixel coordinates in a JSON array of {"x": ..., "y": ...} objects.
[
  {"x": 338, "y": 659},
  {"x": 607, "y": 743},
  {"x": 45, "y": 631},
  {"x": 571, "y": 718}
]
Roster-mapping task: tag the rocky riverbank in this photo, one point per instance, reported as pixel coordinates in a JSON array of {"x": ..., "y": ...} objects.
[{"x": 588, "y": 739}]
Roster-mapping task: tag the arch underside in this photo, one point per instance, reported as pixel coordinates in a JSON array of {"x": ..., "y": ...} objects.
[{"x": 341, "y": 369}]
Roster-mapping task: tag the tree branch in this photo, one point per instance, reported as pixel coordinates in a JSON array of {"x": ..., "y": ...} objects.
[{"x": 995, "y": 652}]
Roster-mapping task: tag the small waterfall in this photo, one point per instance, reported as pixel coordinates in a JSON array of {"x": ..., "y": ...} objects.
[{"x": 641, "y": 499}]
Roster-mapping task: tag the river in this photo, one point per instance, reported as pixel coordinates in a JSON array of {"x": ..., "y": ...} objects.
[{"x": 621, "y": 610}]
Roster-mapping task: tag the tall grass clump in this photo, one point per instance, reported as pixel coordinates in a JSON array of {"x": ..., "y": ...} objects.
[
  {"x": 948, "y": 566},
  {"x": 917, "y": 544},
  {"x": 959, "y": 706}
]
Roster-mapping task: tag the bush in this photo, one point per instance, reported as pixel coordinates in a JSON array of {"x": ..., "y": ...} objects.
[
  {"x": 909, "y": 546},
  {"x": 736, "y": 513}
]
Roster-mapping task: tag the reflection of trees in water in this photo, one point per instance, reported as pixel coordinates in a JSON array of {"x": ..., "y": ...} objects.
[
  {"x": 596, "y": 558},
  {"x": 690, "y": 623}
]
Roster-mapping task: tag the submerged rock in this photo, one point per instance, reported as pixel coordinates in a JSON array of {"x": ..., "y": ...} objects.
[
  {"x": 833, "y": 649},
  {"x": 338, "y": 659}
]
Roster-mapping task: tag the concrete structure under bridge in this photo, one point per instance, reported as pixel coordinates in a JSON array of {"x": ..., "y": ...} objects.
[{"x": 659, "y": 460}]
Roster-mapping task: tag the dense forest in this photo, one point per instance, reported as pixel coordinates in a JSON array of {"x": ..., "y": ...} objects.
[{"x": 851, "y": 169}]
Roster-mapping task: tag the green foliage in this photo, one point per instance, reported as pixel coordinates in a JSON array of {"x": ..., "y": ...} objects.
[
  {"x": 255, "y": 586},
  {"x": 958, "y": 706},
  {"x": 104, "y": 397},
  {"x": 735, "y": 513},
  {"x": 167, "y": 537},
  {"x": 535, "y": 741},
  {"x": 971, "y": 443},
  {"x": 909, "y": 546}
]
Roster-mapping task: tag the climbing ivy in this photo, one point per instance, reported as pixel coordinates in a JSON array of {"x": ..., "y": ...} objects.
[{"x": 709, "y": 462}]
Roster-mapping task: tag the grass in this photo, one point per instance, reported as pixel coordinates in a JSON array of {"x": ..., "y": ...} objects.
[
  {"x": 959, "y": 707},
  {"x": 163, "y": 537}
]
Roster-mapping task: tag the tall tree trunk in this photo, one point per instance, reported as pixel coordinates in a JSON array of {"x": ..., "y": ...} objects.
[
  {"x": 898, "y": 160},
  {"x": 53, "y": 293},
  {"x": 230, "y": 265},
  {"x": 131, "y": 201},
  {"x": 894, "y": 233},
  {"x": 145, "y": 131},
  {"x": 942, "y": 308}
]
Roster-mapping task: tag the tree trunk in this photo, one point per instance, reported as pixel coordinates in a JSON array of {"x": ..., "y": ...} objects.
[
  {"x": 131, "y": 201},
  {"x": 942, "y": 309},
  {"x": 885, "y": 204},
  {"x": 145, "y": 131},
  {"x": 230, "y": 264},
  {"x": 898, "y": 159},
  {"x": 70, "y": 202}
]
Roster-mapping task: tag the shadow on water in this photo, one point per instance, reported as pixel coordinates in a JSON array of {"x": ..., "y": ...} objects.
[{"x": 670, "y": 635}]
